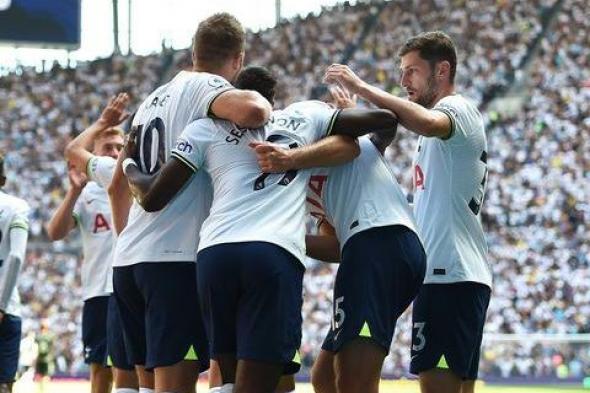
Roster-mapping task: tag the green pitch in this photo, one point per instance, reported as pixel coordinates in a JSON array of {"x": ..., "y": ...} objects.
[{"x": 386, "y": 387}]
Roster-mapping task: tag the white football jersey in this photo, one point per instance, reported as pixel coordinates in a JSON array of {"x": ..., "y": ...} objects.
[
  {"x": 92, "y": 214},
  {"x": 449, "y": 185},
  {"x": 13, "y": 214},
  {"x": 170, "y": 234},
  {"x": 249, "y": 205},
  {"x": 359, "y": 195}
]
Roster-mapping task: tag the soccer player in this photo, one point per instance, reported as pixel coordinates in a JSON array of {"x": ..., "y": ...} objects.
[
  {"x": 154, "y": 273},
  {"x": 86, "y": 205},
  {"x": 450, "y": 174},
  {"x": 252, "y": 244},
  {"x": 87, "y": 153},
  {"x": 383, "y": 262},
  {"x": 14, "y": 226}
]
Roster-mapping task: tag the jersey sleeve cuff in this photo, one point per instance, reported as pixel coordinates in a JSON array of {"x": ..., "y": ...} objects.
[
  {"x": 213, "y": 98},
  {"x": 332, "y": 121},
  {"x": 186, "y": 162},
  {"x": 89, "y": 165},
  {"x": 451, "y": 119}
]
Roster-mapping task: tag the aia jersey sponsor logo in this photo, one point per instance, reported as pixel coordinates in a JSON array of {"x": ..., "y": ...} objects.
[
  {"x": 100, "y": 224},
  {"x": 418, "y": 178},
  {"x": 314, "y": 196}
]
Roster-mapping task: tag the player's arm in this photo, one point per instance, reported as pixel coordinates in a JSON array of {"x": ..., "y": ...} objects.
[
  {"x": 79, "y": 151},
  {"x": 330, "y": 151},
  {"x": 154, "y": 192},
  {"x": 414, "y": 117},
  {"x": 337, "y": 149},
  {"x": 324, "y": 246},
  {"x": 12, "y": 265},
  {"x": 62, "y": 221},
  {"x": 120, "y": 197},
  {"x": 246, "y": 108}
]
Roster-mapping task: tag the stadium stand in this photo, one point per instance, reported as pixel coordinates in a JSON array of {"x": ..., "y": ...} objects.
[{"x": 539, "y": 160}]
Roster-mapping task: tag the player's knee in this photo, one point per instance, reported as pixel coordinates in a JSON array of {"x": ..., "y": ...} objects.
[{"x": 322, "y": 381}]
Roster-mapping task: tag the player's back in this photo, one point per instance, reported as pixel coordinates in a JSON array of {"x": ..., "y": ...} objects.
[
  {"x": 360, "y": 195},
  {"x": 13, "y": 214},
  {"x": 249, "y": 205},
  {"x": 170, "y": 234}
]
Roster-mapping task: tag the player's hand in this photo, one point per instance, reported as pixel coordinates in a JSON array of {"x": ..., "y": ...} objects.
[
  {"x": 272, "y": 158},
  {"x": 78, "y": 180},
  {"x": 115, "y": 113},
  {"x": 342, "y": 98},
  {"x": 344, "y": 76},
  {"x": 130, "y": 148}
]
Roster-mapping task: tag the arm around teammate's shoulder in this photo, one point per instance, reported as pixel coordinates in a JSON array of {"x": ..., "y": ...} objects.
[
  {"x": 245, "y": 108},
  {"x": 414, "y": 117}
]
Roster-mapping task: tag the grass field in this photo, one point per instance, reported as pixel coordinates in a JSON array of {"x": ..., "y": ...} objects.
[{"x": 386, "y": 387}]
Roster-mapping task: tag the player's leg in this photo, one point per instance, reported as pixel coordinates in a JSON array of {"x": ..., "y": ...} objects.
[
  {"x": 94, "y": 338},
  {"x": 177, "y": 347},
  {"x": 218, "y": 286},
  {"x": 269, "y": 316},
  {"x": 323, "y": 377},
  {"x": 448, "y": 322},
  {"x": 468, "y": 386},
  {"x": 10, "y": 336},
  {"x": 215, "y": 380},
  {"x": 101, "y": 378},
  {"x": 124, "y": 374},
  {"x": 131, "y": 307},
  {"x": 379, "y": 276},
  {"x": 286, "y": 384}
]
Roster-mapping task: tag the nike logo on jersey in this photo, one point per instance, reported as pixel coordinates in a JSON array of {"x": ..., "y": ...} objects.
[{"x": 89, "y": 201}]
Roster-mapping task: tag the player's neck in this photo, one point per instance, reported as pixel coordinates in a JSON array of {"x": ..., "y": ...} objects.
[
  {"x": 442, "y": 93},
  {"x": 217, "y": 71}
]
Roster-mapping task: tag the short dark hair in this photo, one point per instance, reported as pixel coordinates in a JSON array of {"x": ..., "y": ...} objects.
[
  {"x": 217, "y": 39},
  {"x": 258, "y": 79},
  {"x": 433, "y": 46}
]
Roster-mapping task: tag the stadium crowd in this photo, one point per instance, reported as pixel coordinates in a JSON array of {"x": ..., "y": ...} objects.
[{"x": 536, "y": 213}]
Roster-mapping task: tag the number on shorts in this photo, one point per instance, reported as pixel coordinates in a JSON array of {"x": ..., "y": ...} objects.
[
  {"x": 419, "y": 336},
  {"x": 339, "y": 314}
]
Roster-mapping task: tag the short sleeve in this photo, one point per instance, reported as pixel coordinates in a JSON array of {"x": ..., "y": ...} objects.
[
  {"x": 100, "y": 170},
  {"x": 321, "y": 117},
  {"x": 191, "y": 144},
  {"x": 77, "y": 212},
  {"x": 463, "y": 115},
  {"x": 20, "y": 218},
  {"x": 204, "y": 89}
]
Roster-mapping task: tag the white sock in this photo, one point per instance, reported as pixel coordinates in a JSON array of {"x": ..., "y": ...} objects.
[
  {"x": 126, "y": 390},
  {"x": 227, "y": 388},
  {"x": 146, "y": 390}
]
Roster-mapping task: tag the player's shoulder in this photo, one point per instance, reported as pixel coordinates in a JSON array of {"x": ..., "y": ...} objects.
[
  {"x": 188, "y": 79},
  {"x": 458, "y": 104},
  {"x": 14, "y": 203},
  {"x": 307, "y": 107}
]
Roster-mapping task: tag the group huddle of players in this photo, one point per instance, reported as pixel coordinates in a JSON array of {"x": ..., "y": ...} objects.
[{"x": 194, "y": 230}]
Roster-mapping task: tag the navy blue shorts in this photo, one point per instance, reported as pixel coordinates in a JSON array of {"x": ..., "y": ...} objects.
[
  {"x": 448, "y": 321},
  {"x": 10, "y": 335},
  {"x": 117, "y": 354},
  {"x": 94, "y": 329},
  {"x": 380, "y": 274},
  {"x": 159, "y": 308},
  {"x": 251, "y": 298}
]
